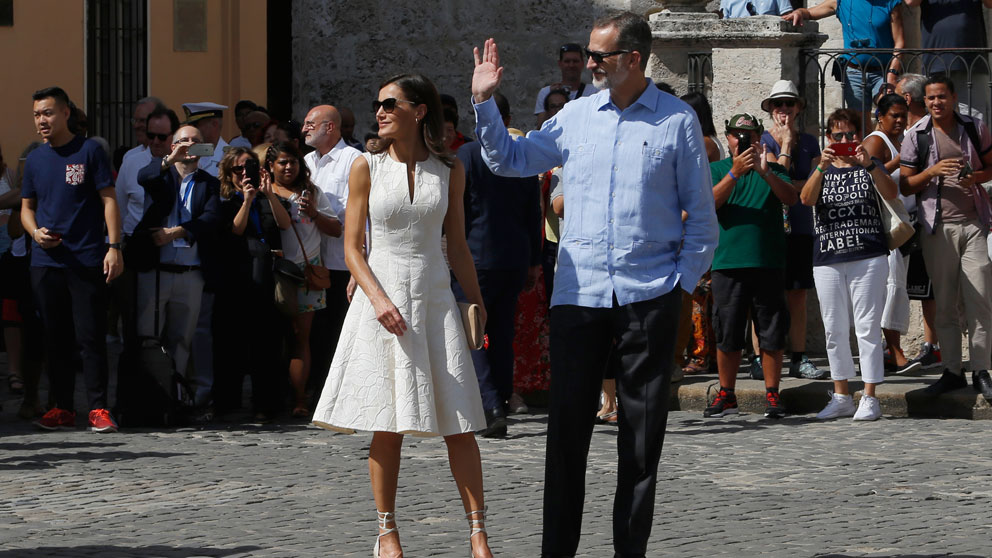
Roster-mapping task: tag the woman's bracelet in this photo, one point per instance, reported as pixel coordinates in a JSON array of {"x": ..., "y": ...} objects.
[
  {"x": 785, "y": 155},
  {"x": 819, "y": 169},
  {"x": 730, "y": 173}
]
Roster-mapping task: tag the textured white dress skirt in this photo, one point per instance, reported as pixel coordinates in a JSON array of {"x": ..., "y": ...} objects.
[{"x": 423, "y": 382}]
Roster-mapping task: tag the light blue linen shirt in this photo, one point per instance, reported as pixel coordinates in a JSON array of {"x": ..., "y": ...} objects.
[
  {"x": 627, "y": 176},
  {"x": 738, "y": 8}
]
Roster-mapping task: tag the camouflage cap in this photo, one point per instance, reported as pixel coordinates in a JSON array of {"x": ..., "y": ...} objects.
[{"x": 744, "y": 121}]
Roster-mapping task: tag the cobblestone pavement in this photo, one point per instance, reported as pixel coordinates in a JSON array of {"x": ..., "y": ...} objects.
[{"x": 744, "y": 486}]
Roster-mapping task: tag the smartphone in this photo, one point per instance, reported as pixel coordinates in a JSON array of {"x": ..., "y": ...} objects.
[
  {"x": 743, "y": 143},
  {"x": 55, "y": 235},
  {"x": 252, "y": 173},
  {"x": 965, "y": 170},
  {"x": 201, "y": 150},
  {"x": 845, "y": 149}
]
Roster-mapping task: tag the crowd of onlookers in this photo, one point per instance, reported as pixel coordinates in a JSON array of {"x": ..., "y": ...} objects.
[{"x": 226, "y": 257}]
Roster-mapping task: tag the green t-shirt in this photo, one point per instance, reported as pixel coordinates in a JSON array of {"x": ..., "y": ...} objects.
[{"x": 752, "y": 232}]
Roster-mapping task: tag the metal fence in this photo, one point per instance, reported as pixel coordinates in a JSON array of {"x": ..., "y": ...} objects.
[
  {"x": 116, "y": 71},
  {"x": 699, "y": 68},
  {"x": 854, "y": 70}
]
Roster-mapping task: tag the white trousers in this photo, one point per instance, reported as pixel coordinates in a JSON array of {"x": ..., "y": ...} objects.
[
  {"x": 895, "y": 315},
  {"x": 179, "y": 308},
  {"x": 857, "y": 287}
]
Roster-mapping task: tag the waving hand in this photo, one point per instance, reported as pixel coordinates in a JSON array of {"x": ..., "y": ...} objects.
[{"x": 488, "y": 72}]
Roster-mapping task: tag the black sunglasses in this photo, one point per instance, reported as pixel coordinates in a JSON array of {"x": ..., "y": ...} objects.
[
  {"x": 238, "y": 169},
  {"x": 388, "y": 105},
  {"x": 159, "y": 137},
  {"x": 779, "y": 103},
  {"x": 843, "y": 135},
  {"x": 599, "y": 56}
]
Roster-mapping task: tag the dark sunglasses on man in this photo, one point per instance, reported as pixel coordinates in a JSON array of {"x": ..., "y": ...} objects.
[
  {"x": 840, "y": 136},
  {"x": 599, "y": 56}
]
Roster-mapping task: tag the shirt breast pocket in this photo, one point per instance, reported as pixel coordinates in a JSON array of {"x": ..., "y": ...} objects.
[
  {"x": 656, "y": 162},
  {"x": 579, "y": 163}
]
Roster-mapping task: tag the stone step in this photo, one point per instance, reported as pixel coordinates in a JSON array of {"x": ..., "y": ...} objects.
[{"x": 899, "y": 396}]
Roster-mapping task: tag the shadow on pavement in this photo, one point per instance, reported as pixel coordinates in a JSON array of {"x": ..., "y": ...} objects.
[
  {"x": 110, "y": 550},
  {"x": 33, "y": 446},
  {"x": 941, "y": 555},
  {"x": 48, "y": 460}
]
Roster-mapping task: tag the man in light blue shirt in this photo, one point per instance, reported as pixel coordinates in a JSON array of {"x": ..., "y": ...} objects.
[
  {"x": 633, "y": 161},
  {"x": 745, "y": 8}
]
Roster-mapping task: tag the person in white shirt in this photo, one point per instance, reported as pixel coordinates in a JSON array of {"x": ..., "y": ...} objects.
[
  {"x": 208, "y": 118},
  {"x": 329, "y": 164},
  {"x": 159, "y": 127},
  {"x": 570, "y": 62},
  {"x": 242, "y": 109}
]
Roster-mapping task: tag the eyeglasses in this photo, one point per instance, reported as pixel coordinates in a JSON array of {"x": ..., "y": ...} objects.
[
  {"x": 779, "y": 103},
  {"x": 599, "y": 56},
  {"x": 838, "y": 136},
  {"x": 238, "y": 169},
  {"x": 309, "y": 124},
  {"x": 388, "y": 105}
]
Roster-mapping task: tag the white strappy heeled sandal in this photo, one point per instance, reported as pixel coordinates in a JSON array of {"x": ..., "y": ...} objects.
[
  {"x": 384, "y": 518},
  {"x": 477, "y": 525}
]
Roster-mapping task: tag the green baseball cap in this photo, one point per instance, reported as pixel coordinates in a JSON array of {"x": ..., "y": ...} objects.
[{"x": 744, "y": 121}]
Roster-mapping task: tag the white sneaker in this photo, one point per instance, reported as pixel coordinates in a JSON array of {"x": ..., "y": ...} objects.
[
  {"x": 839, "y": 406},
  {"x": 868, "y": 409}
]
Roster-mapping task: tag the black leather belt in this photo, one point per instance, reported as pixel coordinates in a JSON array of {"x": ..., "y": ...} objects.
[{"x": 173, "y": 268}]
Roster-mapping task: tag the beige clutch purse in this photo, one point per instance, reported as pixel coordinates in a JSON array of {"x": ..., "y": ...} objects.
[{"x": 474, "y": 329}]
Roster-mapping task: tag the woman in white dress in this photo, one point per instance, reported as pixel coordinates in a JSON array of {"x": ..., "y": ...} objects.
[{"x": 403, "y": 364}]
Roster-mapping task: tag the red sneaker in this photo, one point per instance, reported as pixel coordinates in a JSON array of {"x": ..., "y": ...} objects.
[
  {"x": 101, "y": 421},
  {"x": 57, "y": 419}
]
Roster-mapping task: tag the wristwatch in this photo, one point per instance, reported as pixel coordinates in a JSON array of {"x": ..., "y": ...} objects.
[
  {"x": 115, "y": 245},
  {"x": 871, "y": 167}
]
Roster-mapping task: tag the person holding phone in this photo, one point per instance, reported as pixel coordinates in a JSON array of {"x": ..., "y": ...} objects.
[
  {"x": 311, "y": 219},
  {"x": 747, "y": 267},
  {"x": 67, "y": 197},
  {"x": 850, "y": 260},
  {"x": 180, "y": 260},
  {"x": 945, "y": 158},
  {"x": 252, "y": 217}
]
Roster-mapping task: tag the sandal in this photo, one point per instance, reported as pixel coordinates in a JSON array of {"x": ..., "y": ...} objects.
[
  {"x": 607, "y": 418},
  {"x": 695, "y": 367},
  {"x": 301, "y": 412},
  {"x": 15, "y": 383}
]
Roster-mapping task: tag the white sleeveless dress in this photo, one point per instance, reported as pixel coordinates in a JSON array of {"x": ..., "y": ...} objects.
[{"x": 422, "y": 382}]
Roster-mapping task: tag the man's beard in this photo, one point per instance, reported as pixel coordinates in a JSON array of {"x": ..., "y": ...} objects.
[{"x": 314, "y": 137}]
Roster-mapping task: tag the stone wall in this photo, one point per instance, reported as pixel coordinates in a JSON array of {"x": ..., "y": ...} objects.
[{"x": 343, "y": 50}]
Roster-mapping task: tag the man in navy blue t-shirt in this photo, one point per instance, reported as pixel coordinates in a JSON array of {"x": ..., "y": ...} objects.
[{"x": 68, "y": 195}]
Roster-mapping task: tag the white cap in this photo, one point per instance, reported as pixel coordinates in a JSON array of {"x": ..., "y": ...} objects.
[{"x": 199, "y": 111}]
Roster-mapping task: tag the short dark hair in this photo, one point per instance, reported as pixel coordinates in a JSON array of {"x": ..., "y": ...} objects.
[
  {"x": 848, "y": 115},
  {"x": 450, "y": 115},
  {"x": 244, "y": 104},
  {"x": 570, "y": 47},
  {"x": 159, "y": 112},
  {"x": 448, "y": 101},
  {"x": 54, "y": 92},
  {"x": 502, "y": 104},
  {"x": 634, "y": 33},
  {"x": 562, "y": 92},
  {"x": 886, "y": 102},
  {"x": 939, "y": 79},
  {"x": 663, "y": 86}
]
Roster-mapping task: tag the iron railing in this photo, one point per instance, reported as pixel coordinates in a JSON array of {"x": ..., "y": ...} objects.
[
  {"x": 820, "y": 68},
  {"x": 699, "y": 69},
  {"x": 116, "y": 70}
]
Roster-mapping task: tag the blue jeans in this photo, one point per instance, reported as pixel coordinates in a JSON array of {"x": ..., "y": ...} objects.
[{"x": 855, "y": 87}]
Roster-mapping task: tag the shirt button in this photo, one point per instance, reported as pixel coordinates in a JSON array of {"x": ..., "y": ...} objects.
[
  {"x": 610, "y": 247},
  {"x": 615, "y": 169},
  {"x": 611, "y": 221}
]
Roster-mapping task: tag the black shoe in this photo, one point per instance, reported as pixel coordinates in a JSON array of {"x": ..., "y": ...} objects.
[
  {"x": 724, "y": 404},
  {"x": 495, "y": 424},
  {"x": 982, "y": 383},
  {"x": 947, "y": 382},
  {"x": 929, "y": 355},
  {"x": 774, "y": 409}
]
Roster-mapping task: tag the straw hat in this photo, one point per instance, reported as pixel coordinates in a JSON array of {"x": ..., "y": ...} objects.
[{"x": 783, "y": 89}]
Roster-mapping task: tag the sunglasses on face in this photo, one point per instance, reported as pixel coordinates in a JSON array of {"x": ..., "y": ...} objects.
[
  {"x": 599, "y": 56},
  {"x": 388, "y": 105},
  {"x": 238, "y": 169},
  {"x": 838, "y": 136},
  {"x": 159, "y": 137},
  {"x": 788, "y": 103}
]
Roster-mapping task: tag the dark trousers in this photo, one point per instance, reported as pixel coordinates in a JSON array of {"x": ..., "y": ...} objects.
[
  {"x": 640, "y": 336},
  {"x": 73, "y": 299},
  {"x": 549, "y": 259},
  {"x": 494, "y": 366},
  {"x": 248, "y": 339},
  {"x": 326, "y": 329}
]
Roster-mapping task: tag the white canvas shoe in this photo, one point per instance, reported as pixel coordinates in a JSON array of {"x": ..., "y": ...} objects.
[
  {"x": 839, "y": 406},
  {"x": 868, "y": 409}
]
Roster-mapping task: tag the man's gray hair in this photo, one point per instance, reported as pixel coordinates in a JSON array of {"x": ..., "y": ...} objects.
[
  {"x": 153, "y": 100},
  {"x": 913, "y": 84},
  {"x": 634, "y": 33}
]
